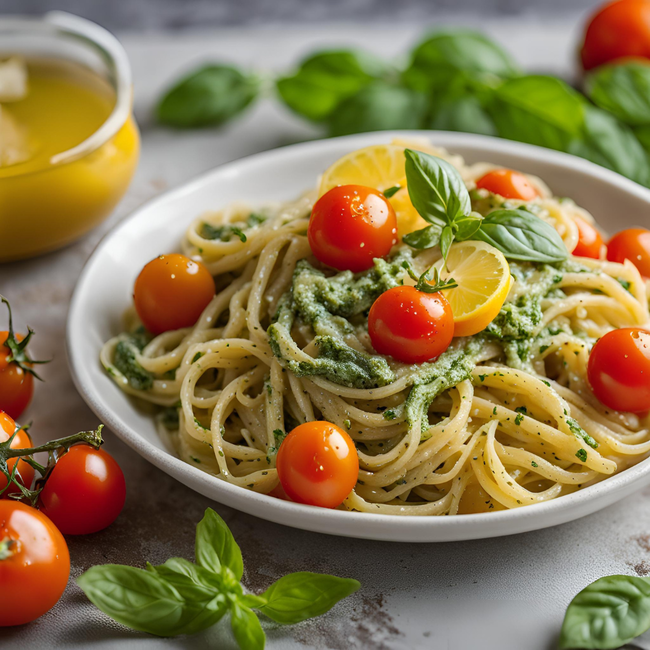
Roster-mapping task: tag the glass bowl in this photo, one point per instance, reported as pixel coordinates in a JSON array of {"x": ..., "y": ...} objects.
[{"x": 51, "y": 205}]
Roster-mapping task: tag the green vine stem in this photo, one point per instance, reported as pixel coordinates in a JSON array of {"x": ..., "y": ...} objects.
[{"x": 92, "y": 438}]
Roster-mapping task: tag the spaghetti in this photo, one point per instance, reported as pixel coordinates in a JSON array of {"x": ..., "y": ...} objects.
[{"x": 502, "y": 419}]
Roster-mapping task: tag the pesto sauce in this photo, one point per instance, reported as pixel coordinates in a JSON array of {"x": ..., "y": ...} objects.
[
  {"x": 125, "y": 359},
  {"x": 326, "y": 304}
]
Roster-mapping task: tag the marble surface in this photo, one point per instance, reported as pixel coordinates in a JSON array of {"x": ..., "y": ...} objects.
[{"x": 505, "y": 594}]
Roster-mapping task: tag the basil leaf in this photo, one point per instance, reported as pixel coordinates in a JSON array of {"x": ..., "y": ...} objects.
[
  {"x": 181, "y": 573},
  {"x": 623, "y": 90},
  {"x": 299, "y": 596},
  {"x": 466, "y": 227},
  {"x": 465, "y": 114},
  {"x": 425, "y": 238},
  {"x": 520, "y": 235},
  {"x": 378, "y": 107},
  {"x": 208, "y": 97},
  {"x": 327, "y": 78},
  {"x": 538, "y": 110},
  {"x": 612, "y": 144},
  {"x": 143, "y": 600},
  {"x": 642, "y": 134},
  {"x": 435, "y": 188},
  {"x": 246, "y": 628},
  {"x": 446, "y": 240},
  {"x": 608, "y": 613},
  {"x": 216, "y": 547},
  {"x": 442, "y": 57}
]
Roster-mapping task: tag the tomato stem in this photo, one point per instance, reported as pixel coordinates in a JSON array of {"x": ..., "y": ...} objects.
[
  {"x": 17, "y": 349},
  {"x": 92, "y": 438},
  {"x": 424, "y": 282}
]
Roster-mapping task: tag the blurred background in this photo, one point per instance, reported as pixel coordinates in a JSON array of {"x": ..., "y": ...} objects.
[{"x": 183, "y": 14}]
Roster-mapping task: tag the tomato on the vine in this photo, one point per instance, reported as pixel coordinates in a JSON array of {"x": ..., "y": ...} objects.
[
  {"x": 590, "y": 243},
  {"x": 619, "y": 370},
  {"x": 171, "y": 292},
  {"x": 34, "y": 563},
  {"x": 318, "y": 464},
  {"x": 24, "y": 472},
  {"x": 632, "y": 244},
  {"x": 85, "y": 492},
  {"x": 617, "y": 30},
  {"x": 350, "y": 226},
  {"x": 507, "y": 183},
  {"x": 410, "y": 325}
]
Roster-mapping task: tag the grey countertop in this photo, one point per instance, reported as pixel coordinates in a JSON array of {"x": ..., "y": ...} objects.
[{"x": 506, "y": 594}]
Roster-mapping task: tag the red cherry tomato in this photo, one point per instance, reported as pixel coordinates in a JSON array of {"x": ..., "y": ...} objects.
[
  {"x": 617, "y": 30},
  {"x": 590, "y": 243},
  {"x": 318, "y": 464},
  {"x": 85, "y": 491},
  {"x": 351, "y": 225},
  {"x": 16, "y": 385},
  {"x": 632, "y": 244},
  {"x": 410, "y": 325},
  {"x": 508, "y": 183},
  {"x": 34, "y": 563},
  {"x": 25, "y": 472},
  {"x": 171, "y": 292},
  {"x": 619, "y": 370}
]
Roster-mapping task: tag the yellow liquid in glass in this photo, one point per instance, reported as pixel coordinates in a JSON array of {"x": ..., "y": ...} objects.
[{"x": 44, "y": 205}]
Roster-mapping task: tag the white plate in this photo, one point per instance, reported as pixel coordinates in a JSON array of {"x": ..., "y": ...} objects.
[{"x": 104, "y": 292}]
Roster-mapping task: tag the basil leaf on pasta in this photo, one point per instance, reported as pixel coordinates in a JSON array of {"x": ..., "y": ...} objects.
[
  {"x": 520, "y": 235},
  {"x": 435, "y": 188},
  {"x": 216, "y": 547},
  {"x": 607, "y": 614},
  {"x": 425, "y": 238},
  {"x": 299, "y": 596}
]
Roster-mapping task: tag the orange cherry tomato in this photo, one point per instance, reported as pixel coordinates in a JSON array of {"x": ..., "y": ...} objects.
[
  {"x": 351, "y": 225},
  {"x": 590, "y": 243},
  {"x": 16, "y": 385},
  {"x": 619, "y": 370},
  {"x": 318, "y": 464},
  {"x": 24, "y": 472},
  {"x": 410, "y": 325},
  {"x": 34, "y": 563},
  {"x": 507, "y": 183},
  {"x": 632, "y": 244},
  {"x": 171, "y": 292},
  {"x": 617, "y": 30},
  {"x": 85, "y": 492}
]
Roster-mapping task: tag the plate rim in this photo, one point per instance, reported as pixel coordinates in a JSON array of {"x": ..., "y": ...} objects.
[{"x": 339, "y": 522}]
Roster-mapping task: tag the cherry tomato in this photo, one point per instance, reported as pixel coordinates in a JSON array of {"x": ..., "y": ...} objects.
[
  {"x": 318, "y": 464},
  {"x": 508, "y": 183},
  {"x": 25, "y": 472},
  {"x": 632, "y": 244},
  {"x": 617, "y": 30},
  {"x": 16, "y": 384},
  {"x": 34, "y": 563},
  {"x": 410, "y": 325},
  {"x": 619, "y": 370},
  {"x": 85, "y": 491},
  {"x": 351, "y": 225},
  {"x": 590, "y": 243},
  {"x": 171, "y": 292}
]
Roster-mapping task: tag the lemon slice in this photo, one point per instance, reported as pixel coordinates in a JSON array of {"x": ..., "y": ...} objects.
[
  {"x": 380, "y": 166},
  {"x": 483, "y": 278}
]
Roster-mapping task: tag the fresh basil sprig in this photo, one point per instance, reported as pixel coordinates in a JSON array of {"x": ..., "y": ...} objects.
[
  {"x": 438, "y": 193},
  {"x": 607, "y": 614},
  {"x": 209, "y": 96},
  {"x": 179, "y": 597}
]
